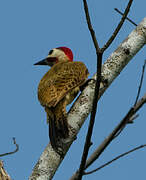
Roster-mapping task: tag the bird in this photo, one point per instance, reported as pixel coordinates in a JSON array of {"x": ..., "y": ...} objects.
[{"x": 58, "y": 88}]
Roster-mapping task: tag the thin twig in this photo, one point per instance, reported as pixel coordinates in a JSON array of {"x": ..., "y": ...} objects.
[
  {"x": 141, "y": 81},
  {"x": 126, "y": 17},
  {"x": 119, "y": 132},
  {"x": 116, "y": 158},
  {"x": 129, "y": 122},
  {"x": 110, "y": 137},
  {"x": 118, "y": 27},
  {"x": 95, "y": 155},
  {"x": 139, "y": 89},
  {"x": 140, "y": 103},
  {"x": 17, "y": 148},
  {"x": 133, "y": 118},
  {"x": 90, "y": 26}
]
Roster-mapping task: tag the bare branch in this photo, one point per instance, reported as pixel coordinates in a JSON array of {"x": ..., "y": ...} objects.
[
  {"x": 17, "y": 148},
  {"x": 96, "y": 94},
  {"x": 133, "y": 118},
  {"x": 126, "y": 17},
  {"x": 99, "y": 53},
  {"x": 90, "y": 26},
  {"x": 120, "y": 131},
  {"x": 3, "y": 174},
  {"x": 108, "y": 140},
  {"x": 139, "y": 89},
  {"x": 92, "y": 118},
  {"x": 141, "y": 81},
  {"x": 140, "y": 103},
  {"x": 49, "y": 161},
  {"x": 118, "y": 27},
  {"x": 95, "y": 155},
  {"x": 116, "y": 158}
]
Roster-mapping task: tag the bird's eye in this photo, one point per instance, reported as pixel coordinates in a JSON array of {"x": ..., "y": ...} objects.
[{"x": 50, "y": 52}]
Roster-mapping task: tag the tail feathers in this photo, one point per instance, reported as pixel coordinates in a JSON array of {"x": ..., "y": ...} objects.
[
  {"x": 62, "y": 126},
  {"x": 52, "y": 132},
  {"x": 58, "y": 128}
]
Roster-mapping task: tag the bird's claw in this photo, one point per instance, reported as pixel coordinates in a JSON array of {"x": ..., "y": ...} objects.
[{"x": 104, "y": 82}]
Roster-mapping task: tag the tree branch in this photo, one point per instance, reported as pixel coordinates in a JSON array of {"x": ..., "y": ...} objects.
[
  {"x": 118, "y": 27},
  {"x": 96, "y": 94},
  {"x": 126, "y": 17},
  {"x": 3, "y": 174},
  {"x": 141, "y": 81},
  {"x": 99, "y": 53},
  {"x": 138, "y": 93},
  {"x": 116, "y": 158},
  {"x": 109, "y": 138},
  {"x": 49, "y": 161},
  {"x": 90, "y": 26},
  {"x": 17, "y": 148},
  {"x": 92, "y": 119},
  {"x": 95, "y": 155}
]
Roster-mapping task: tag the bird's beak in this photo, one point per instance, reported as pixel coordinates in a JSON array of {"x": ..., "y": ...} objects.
[
  {"x": 47, "y": 61},
  {"x": 42, "y": 62}
]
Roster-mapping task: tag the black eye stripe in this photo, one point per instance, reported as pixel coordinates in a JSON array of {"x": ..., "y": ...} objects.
[{"x": 50, "y": 52}]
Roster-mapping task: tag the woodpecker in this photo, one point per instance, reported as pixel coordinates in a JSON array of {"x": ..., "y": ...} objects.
[{"x": 58, "y": 88}]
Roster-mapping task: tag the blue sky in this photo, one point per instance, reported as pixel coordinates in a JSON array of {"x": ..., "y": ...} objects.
[{"x": 29, "y": 29}]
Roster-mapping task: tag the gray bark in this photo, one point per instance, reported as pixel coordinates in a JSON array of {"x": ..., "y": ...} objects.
[{"x": 49, "y": 161}]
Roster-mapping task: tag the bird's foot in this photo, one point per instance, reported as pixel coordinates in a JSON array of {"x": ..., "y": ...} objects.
[
  {"x": 104, "y": 82},
  {"x": 60, "y": 151},
  {"x": 86, "y": 84},
  {"x": 58, "y": 148},
  {"x": 62, "y": 145}
]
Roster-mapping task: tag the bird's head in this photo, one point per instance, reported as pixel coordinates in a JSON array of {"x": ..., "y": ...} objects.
[{"x": 60, "y": 54}]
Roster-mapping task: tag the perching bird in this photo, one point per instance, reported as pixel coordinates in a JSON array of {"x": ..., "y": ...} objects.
[{"x": 58, "y": 88}]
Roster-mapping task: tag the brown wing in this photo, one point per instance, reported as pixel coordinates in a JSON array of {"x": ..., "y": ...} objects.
[{"x": 59, "y": 80}]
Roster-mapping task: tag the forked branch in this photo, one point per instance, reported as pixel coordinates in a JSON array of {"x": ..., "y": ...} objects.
[{"x": 99, "y": 53}]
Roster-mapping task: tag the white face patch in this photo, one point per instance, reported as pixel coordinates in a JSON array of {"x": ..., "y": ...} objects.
[{"x": 58, "y": 54}]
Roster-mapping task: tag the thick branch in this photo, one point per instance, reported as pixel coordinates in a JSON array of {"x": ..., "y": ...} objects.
[{"x": 49, "y": 161}]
